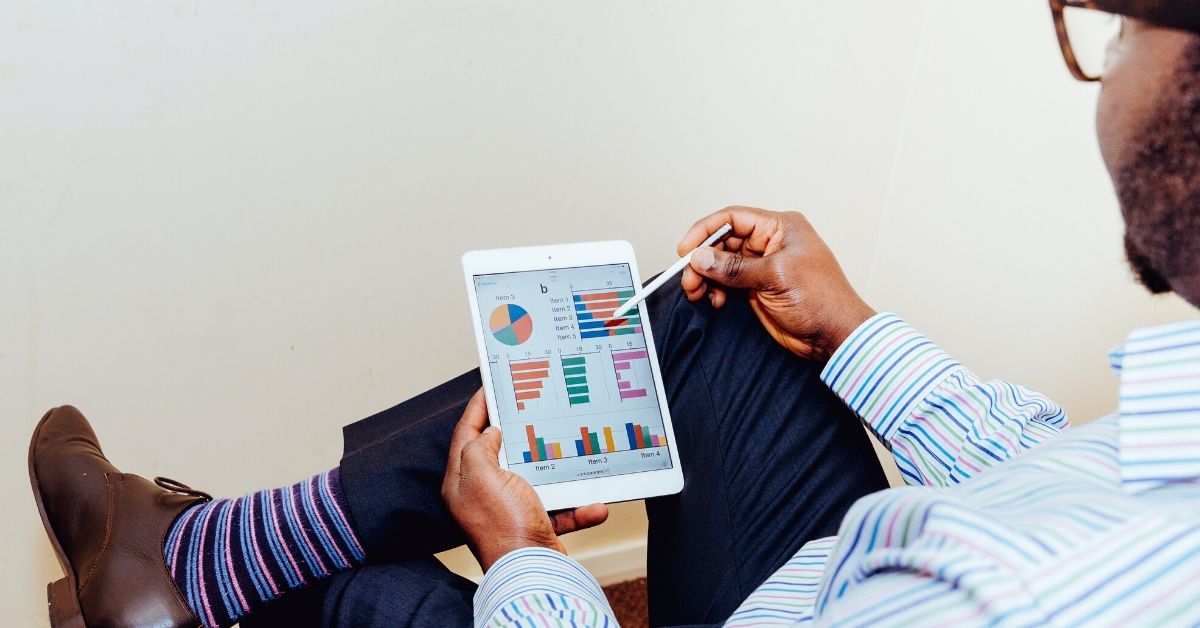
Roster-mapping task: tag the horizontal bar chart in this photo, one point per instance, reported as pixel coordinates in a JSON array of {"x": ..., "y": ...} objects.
[
  {"x": 594, "y": 312},
  {"x": 623, "y": 366},
  {"x": 529, "y": 379}
]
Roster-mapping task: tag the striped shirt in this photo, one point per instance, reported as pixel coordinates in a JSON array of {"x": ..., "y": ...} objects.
[{"x": 1097, "y": 525}]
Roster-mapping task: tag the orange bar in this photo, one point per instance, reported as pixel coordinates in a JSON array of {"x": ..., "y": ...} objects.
[
  {"x": 529, "y": 394},
  {"x": 530, "y": 375},
  {"x": 533, "y": 450},
  {"x": 587, "y": 441},
  {"x": 598, "y": 307},
  {"x": 532, "y": 385},
  {"x": 598, "y": 296},
  {"x": 528, "y": 366},
  {"x": 520, "y": 406},
  {"x": 557, "y": 451},
  {"x": 608, "y": 439}
]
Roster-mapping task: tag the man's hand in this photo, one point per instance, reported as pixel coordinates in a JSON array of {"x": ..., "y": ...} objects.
[
  {"x": 796, "y": 287},
  {"x": 497, "y": 509}
]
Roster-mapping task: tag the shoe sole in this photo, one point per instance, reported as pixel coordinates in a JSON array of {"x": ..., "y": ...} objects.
[{"x": 62, "y": 598}]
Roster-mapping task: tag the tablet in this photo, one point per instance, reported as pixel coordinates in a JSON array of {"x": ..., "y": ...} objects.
[{"x": 576, "y": 392}]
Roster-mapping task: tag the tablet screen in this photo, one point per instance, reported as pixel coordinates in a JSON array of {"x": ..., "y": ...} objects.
[{"x": 573, "y": 385}]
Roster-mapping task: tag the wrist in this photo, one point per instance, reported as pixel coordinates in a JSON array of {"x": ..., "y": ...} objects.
[
  {"x": 845, "y": 323},
  {"x": 491, "y": 553}
]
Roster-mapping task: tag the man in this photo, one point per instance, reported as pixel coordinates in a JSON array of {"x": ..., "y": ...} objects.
[{"x": 1009, "y": 520}]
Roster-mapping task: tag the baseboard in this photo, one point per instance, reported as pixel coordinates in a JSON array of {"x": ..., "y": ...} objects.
[{"x": 615, "y": 563}]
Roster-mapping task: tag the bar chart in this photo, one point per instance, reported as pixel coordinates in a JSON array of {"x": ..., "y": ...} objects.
[
  {"x": 529, "y": 381},
  {"x": 591, "y": 443},
  {"x": 627, "y": 380},
  {"x": 594, "y": 311},
  {"x": 574, "y": 368}
]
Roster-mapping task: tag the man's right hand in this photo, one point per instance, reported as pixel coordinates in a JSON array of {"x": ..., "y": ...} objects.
[{"x": 795, "y": 285}]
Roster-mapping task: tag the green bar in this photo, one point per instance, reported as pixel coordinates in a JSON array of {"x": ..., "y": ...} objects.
[
  {"x": 576, "y": 381},
  {"x": 579, "y": 399},
  {"x": 542, "y": 449},
  {"x": 646, "y": 436},
  {"x": 624, "y": 294},
  {"x": 595, "y": 442},
  {"x": 574, "y": 370},
  {"x": 572, "y": 361},
  {"x": 621, "y": 331},
  {"x": 576, "y": 390}
]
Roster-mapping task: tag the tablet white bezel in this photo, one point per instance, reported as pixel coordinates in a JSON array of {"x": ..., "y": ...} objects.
[{"x": 574, "y": 493}]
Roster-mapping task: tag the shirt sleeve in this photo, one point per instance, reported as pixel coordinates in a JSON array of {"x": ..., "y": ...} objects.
[
  {"x": 540, "y": 587},
  {"x": 942, "y": 424}
]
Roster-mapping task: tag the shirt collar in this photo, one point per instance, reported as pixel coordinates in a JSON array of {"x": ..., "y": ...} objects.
[{"x": 1159, "y": 406}]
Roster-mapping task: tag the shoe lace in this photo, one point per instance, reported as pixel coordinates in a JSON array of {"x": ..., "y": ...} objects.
[{"x": 180, "y": 487}]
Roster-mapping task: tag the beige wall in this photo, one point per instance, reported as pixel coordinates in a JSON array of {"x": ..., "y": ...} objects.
[{"x": 230, "y": 228}]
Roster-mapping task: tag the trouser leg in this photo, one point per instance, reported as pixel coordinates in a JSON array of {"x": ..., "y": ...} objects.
[{"x": 771, "y": 459}]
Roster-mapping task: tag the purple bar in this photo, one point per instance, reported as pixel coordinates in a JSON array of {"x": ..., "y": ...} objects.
[
  {"x": 633, "y": 394},
  {"x": 623, "y": 385},
  {"x": 630, "y": 355}
]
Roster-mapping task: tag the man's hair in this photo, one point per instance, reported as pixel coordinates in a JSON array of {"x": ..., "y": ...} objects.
[{"x": 1159, "y": 185}]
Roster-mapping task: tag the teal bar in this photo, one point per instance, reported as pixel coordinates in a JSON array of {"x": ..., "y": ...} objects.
[
  {"x": 542, "y": 450},
  {"x": 579, "y": 399},
  {"x": 574, "y": 370},
  {"x": 577, "y": 390},
  {"x": 595, "y": 442},
  {"x": 576, "y": 381},
  {"x": 572, "y": 361},
  {"x": 645, "y": 436},
  {"x": 621, "y": 331}
]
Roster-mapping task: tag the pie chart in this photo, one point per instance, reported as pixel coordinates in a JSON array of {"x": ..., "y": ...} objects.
[{"x": 511, "y": 324}]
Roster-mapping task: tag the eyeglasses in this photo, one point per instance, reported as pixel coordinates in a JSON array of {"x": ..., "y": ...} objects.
[{"x": 1085, "y": 34}]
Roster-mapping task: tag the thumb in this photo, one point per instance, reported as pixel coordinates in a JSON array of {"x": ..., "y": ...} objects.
[
  {"x": 731, "y": 269},
  {"x": 485, "y": 449}
]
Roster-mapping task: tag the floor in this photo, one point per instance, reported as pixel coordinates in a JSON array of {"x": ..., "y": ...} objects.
[{"x": 628, "y": 601}]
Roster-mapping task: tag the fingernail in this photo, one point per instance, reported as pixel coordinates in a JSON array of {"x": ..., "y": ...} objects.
[{"x": 703, "y": 258}]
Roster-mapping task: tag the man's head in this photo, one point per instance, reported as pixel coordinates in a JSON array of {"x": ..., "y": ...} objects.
[{"x": 1149, "y": 127}]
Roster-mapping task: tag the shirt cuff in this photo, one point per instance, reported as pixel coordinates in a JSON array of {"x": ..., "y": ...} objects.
[
  {"x": 884, "y": 369},
  {"x": 535, "y": 582}
]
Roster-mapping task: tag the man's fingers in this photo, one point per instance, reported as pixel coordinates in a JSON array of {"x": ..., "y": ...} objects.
[
  {"x": 473, "y": 420},
  {"x": 752, "y": 228},
  {"x": 732, "y": 269},
  {"x": 579, "y": 518}
]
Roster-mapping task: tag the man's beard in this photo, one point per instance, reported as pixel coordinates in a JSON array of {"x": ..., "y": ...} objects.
[{"x": 1159, "y": 186}]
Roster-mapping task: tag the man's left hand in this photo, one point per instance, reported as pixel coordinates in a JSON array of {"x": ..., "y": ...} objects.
[{"x": 496, "y": 508}]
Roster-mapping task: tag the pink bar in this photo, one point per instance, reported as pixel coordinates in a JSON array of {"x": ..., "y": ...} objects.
[
  {"x": 632, "y": 394},
  {"x": 620, "y": 366},
  {"x": 623, "y": 385},
  {"x": 630, "y": 355}
]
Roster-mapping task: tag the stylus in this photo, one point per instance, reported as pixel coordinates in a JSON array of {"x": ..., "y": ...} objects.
[{"x": 675, "y": 269}]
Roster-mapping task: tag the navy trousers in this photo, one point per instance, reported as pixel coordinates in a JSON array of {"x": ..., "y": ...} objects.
[{"x": 771, "y": 459}]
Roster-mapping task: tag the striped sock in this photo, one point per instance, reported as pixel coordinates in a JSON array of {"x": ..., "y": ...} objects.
[{"x": 231, "y": 556}]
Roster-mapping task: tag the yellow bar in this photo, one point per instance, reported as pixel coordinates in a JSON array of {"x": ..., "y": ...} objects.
[
  {"x": 608, "y": 438},
  {"x": 557, "y": 451}
]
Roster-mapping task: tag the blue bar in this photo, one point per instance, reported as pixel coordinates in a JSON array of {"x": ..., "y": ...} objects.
[
  {"x": 591, "y": 324},
  {"x": 629, "y": 433},
  {"x": 526, "y": 456},
  {"x": 584, "y": 316},
  {"x": 577, "y": 298},
  {"x": 579, "y": 443},
  {"x": 601, "y": 333}
]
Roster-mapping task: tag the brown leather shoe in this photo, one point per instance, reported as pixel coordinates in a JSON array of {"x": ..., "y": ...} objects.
[{"x": 108, "y": 529}]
